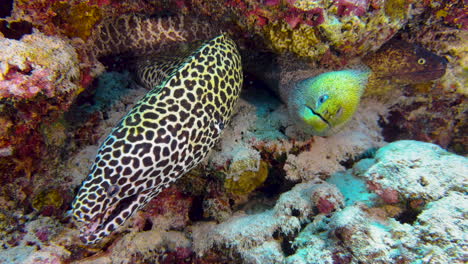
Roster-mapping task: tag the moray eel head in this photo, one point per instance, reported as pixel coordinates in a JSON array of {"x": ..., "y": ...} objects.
[
  {"x": 99, "y": 222},
  {"x": 323, "y": 104},
  {"x": 405, "y": 63}
]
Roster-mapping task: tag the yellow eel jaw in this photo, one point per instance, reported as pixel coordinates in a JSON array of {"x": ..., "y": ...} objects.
[
  {"x": 167, "y": 133},
  {"x": 322, "y": 105},
  {"x": 314, "y": 119}
]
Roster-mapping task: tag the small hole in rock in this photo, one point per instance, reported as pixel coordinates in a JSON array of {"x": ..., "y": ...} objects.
[
  {"x": 276, "y": 234},
  {"x": 6, "y": 6},
  {"x": 286, "y": 245},
  {"x": 15, "y": 29},
  {"x": 148, "y": 225},
  {"x": 295, "y": 212},
  {"x": 196, "y": 211},
  {"x": 408, "y": 216}
]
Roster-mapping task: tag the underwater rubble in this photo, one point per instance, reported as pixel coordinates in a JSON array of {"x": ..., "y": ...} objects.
[{"x": 389, "y": 187}]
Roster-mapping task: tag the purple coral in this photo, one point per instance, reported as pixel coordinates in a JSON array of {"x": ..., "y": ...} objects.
[
  {"x": 313, "y": 17},
  {"x": 356, "y": 7},
  {"x": 26, "y": 84}
]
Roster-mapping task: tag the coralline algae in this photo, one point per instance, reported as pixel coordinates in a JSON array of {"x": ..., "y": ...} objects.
[{"x": 38, "y": 64}]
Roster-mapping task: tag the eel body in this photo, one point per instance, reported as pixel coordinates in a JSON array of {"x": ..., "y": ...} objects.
[
  {"x": 167, "y": 133},
  {"x": 322, "y": 104},
  {"x": 138, "y": 35}
]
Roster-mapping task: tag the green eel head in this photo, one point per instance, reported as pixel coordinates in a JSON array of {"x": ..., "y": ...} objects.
[{"x": 323, "y": 104}]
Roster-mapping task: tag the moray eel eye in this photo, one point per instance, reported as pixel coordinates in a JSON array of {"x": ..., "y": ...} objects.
[
  {"x": 421, "y": 61},
  {"x": 113, "y": 190},
  {"x": 322, "y": 99}
]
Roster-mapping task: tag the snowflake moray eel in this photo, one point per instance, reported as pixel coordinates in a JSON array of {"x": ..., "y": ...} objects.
[{"x": 167, "y": 133}]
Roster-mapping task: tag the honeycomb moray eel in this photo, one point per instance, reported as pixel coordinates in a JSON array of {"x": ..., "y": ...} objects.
[
  {"x": 167, "y": 133},
  {"x": 137, "y": 34}
]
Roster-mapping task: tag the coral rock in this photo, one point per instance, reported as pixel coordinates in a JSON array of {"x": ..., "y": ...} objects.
[
  {"x": 37, "y": 64},
  {"x": 248, "y": 180},
  {"x": 417, "y": 170}
]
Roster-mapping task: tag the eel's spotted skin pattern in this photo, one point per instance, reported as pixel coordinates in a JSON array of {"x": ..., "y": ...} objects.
[
  {"x": 167, "y": 133},
  {"x": 137, "y": 34}
]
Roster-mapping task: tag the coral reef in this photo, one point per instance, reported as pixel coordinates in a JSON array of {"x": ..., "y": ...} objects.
[
  {"x": 36, "y": 235},
  {"x": 76, "y": 20},
  {"x": 267, "y": 193},
  {"x": 317, "y": 29},
  {"x": 414, "y": 171},
  {"x": 253, "y": 236},
  {"x": 363, "y": 231},
  {"x": 38, "y": 64},
  {"x": 39, "y": 80},
  {"x": 248, "y": 180}
]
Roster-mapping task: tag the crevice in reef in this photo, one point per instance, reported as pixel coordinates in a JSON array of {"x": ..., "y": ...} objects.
[
  {"x": 15, "y": 29},
  {"x": 148, "y": 225},
  {"x": 350, "y": 161},
  {"x": 275, "y": 184},
  {"x": 409, "y": 215},
  {"x": 6, "y": 6},
  {"x": 287, "y": 246},
  {"x": 196, "y": 211},
  {"x": 286, "y": 241},
  {"x": 391, "y": 130}
]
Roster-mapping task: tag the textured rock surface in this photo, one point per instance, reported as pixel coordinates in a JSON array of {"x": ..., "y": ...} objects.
[{"x": 418, "y": 170}]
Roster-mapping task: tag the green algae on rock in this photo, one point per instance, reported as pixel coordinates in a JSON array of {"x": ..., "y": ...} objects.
[{"x": 248, "y": 180}]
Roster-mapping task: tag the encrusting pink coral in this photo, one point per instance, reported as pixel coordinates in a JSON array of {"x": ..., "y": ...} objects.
[
  {"x": 26, "y": 84},
  {"x": 348, "y": 7}
]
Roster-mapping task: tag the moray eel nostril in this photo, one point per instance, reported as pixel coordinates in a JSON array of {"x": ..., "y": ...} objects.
[{"x": 167, "y": 133}]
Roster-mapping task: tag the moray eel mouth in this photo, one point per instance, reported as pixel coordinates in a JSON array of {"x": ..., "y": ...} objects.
[
  {"x": 416, "y": 76},
  {"x": 105, "y": 222},
  {"x": 319, "y": 115}
]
